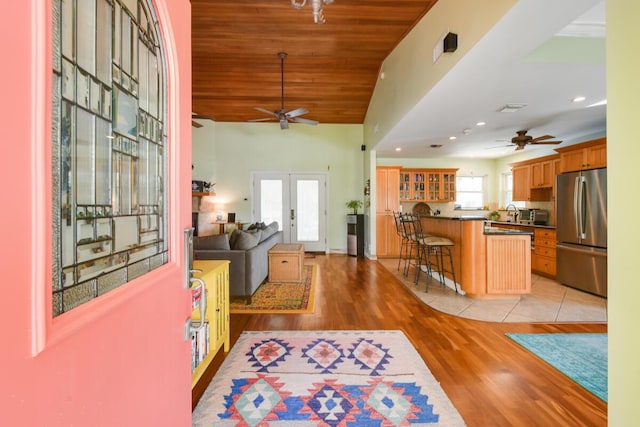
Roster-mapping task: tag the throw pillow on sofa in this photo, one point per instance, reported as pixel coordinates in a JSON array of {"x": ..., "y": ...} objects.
[
  {"x": 269, "y": 231},
  {"x": 215, "y": 241},
  {"x": 243, "y": 240},
  {"x": 257, "y": 226},
  {"x": 266, "y": 233}
]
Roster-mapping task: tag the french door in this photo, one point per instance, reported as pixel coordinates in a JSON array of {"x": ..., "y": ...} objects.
[{"x": 297, "y": 201}]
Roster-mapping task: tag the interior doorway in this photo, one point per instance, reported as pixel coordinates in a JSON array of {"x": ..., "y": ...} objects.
[{"x": 297, "y": 201}]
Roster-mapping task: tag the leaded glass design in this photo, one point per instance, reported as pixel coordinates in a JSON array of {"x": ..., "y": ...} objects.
[{"x": 109, "y": 162}]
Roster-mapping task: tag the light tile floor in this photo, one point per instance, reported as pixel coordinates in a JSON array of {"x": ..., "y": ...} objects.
[{"x": 549, "y": 301}]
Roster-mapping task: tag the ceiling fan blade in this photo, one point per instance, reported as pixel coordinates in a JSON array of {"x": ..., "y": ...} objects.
[
  {"x": 545, "y": 142},
  {"x": 296, "y": 112},
  {"x": 203, "y": 116},
  {"x": 195, "y": 124},
  {"x": 543, "y": 137},
  {"x": 305, "y": 121},
  {"x": 266, "y": 119},
  {"x": 264, "y": 110},
  {"x": 499, "y": 146}
]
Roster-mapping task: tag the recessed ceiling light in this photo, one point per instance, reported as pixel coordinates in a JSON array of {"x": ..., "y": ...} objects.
[
  {"x": 578, "y": 99},
  {"x": 398, "y": 149},
  {"x": 480, "y": 124},
  {"x": 452, "y": 138}
]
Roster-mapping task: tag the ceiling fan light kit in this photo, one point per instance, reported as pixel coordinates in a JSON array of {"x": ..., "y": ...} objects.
[
  {"x": 316, "y": 7},
  {"x": 282, "y": 115}
]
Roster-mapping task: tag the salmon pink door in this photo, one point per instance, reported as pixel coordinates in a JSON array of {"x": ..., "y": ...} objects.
[{"x": 94, "y": 305}]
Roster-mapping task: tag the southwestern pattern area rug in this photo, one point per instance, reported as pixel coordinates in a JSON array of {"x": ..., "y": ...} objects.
[
  {"x": 277, "y": 297},
  {"x": 324, "y": 378}
]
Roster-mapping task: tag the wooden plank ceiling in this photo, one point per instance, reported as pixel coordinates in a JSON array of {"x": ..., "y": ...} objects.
[{"x": 330, "y": 70}]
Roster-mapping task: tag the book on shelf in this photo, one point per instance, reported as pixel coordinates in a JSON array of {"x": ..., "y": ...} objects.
[
  {"x": 196, "y": 296},
  {"x": 199, "y": 342}
]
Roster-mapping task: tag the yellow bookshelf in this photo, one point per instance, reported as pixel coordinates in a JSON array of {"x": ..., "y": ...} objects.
[{"x": 215, "y": 275}]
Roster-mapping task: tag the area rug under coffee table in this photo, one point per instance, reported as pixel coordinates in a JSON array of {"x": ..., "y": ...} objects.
[
  {"x": 324, "y": 378},
  {"x": 281, "y": 297}
]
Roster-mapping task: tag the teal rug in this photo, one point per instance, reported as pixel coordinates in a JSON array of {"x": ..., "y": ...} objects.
[{"x": 581, "y": 357}]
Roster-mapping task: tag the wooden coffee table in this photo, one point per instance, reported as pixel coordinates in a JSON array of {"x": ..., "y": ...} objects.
[{"x": 285, "y": 262}]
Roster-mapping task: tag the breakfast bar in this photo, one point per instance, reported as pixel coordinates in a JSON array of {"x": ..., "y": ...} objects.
[{"x": 490, "y": 262}]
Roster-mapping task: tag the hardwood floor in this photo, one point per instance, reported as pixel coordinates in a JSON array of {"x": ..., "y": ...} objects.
[{"x": 490, "y": 379}]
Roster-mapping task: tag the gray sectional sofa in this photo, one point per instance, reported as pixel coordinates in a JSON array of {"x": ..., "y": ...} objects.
[{"x": 248, "y": 253}]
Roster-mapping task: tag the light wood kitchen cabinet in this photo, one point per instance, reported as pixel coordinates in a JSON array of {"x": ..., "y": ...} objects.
[
  {"x": 387, "y": 202},
  {"x": 556, "y": 171},
  {"x": 543, "y": 260},
  {"x": 521, "y": 183},
  {"x": 543, "y": 255},
  {"x": 412, "y": 185},
  {"x": 588, "y": 155},
  {"x": 512, "y": 277},
  {"x": 542, "y": 174},
  {"x": 441, "y": 185},
  {"x": 534, "y": 180}
]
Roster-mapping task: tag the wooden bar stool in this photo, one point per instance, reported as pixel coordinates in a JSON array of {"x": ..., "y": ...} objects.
[
  {"x": 405, "y": 241},
  {"x": 433, "y": 253}
]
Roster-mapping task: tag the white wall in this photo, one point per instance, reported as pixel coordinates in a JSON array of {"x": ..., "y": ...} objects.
[
  {"x": 410, "y": 73},
  {"x": 227, "y": 153}
]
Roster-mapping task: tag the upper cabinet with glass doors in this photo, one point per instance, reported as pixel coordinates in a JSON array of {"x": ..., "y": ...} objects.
[
  {"x": 441, "y": 184},
  {"x": 412, "y": 185}
]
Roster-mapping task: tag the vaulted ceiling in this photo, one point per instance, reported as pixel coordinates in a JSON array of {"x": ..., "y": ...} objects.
[
  {"x": 330, "y": 70},
  {"x": 541, "y": 54}
]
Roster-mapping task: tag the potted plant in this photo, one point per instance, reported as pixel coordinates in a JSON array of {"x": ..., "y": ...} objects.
[
  {"x": 494, "y": 215},
  {"x": 355, "y": 205}
]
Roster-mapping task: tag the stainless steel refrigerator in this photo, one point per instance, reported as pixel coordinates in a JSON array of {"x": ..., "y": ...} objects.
[{"x": 581, "y": 227}]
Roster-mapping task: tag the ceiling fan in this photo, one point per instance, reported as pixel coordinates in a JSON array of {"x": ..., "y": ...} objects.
[
  {"x": 195, "y": 117},
  {"x": 283, "y": 116},
  {"x": 523, "y": 139}
]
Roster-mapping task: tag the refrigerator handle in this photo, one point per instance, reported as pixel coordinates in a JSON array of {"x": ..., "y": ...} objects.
[
  {"x": 583, "y": 206},
  {"x": 576, "y": 206}
]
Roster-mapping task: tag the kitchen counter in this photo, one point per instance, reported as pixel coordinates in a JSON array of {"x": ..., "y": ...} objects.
[
  {"x": 458, "y": 217},
  {"x": 497, "y": 230},
  {"x": 479, "y": 255},
  {"x": 517, "y": 224}
]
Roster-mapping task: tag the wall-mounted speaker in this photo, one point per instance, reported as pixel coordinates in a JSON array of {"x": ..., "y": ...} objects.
[{"x": 450, "y": 42}]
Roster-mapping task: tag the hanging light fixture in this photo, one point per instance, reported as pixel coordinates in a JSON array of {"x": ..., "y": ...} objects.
[{"x": 316, "y": 6}]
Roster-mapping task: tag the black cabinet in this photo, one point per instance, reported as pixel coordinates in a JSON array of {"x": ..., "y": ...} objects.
[{"x": 355, "y": 235}]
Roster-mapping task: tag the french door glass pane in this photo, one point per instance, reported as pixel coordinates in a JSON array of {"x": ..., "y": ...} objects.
[
  {"x": 271, "y": 201},
  {"x": 307, "y": 222}
]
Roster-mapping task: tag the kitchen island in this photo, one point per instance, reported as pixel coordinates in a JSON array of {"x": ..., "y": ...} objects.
[{"x": 489, "y": 262}]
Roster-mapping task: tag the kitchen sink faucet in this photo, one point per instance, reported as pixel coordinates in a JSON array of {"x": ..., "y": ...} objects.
[{"x": 512, "y": 216}]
